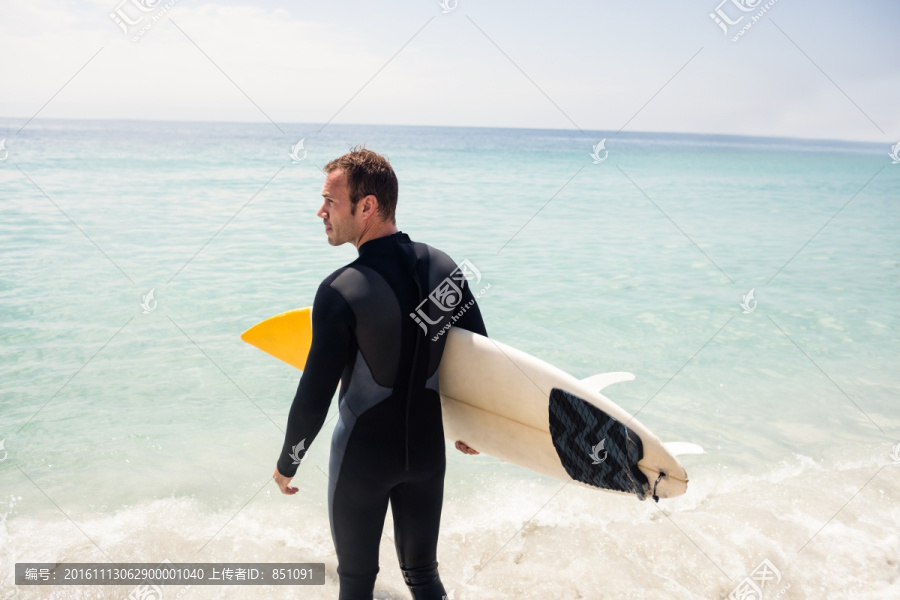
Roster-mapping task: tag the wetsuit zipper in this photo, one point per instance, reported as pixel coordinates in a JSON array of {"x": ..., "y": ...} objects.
[
  {"x": 409, "y": 392},
  {"x": 412, "y": 371}
]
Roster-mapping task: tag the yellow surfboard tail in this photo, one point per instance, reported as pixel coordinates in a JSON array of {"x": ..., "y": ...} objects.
[{"x": 286, "y": 336}]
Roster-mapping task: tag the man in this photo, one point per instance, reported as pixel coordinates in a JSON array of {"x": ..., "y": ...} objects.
[{"x": 373, "y": 322}]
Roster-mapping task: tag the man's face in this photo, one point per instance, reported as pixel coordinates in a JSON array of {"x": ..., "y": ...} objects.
[{"x": 340, "y": 225}]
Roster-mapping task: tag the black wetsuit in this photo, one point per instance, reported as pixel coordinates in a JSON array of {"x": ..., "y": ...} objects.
[{"x": 377, "y": 325}]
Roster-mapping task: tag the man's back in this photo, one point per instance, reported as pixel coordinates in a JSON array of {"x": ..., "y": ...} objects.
[{"x": 365, "y": 331}]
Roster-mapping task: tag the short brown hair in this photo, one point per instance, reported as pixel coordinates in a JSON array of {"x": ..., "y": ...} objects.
[{"x": 368, "y": 172}]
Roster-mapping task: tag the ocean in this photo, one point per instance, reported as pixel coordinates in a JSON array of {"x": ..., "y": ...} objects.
[{"x": 142, "y": 429}]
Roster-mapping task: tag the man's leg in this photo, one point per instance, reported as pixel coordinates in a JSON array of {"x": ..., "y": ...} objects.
[
  {"x": 416, "y": 506},
  {"x": 357, "y": 510}
]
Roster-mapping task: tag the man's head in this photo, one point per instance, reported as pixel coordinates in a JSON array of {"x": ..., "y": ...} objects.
[{"x": 360, "y": 196}]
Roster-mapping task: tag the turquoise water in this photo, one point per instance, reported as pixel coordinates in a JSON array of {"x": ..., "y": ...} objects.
[{"x": 155, "y": 432}]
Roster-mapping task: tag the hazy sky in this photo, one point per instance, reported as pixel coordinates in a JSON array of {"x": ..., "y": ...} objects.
[{"x": 822, "y": 69}]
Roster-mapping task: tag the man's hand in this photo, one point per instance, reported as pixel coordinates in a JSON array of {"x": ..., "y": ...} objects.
[
  {"x": 462, "y": 447},
  {"x": 283, "y": 482}
]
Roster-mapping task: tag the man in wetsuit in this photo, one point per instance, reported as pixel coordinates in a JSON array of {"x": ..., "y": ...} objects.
[{"x": 375, "y": 324}]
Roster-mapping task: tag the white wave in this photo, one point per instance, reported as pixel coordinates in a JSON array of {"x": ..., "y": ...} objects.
[{"x": 528, "y": 538}]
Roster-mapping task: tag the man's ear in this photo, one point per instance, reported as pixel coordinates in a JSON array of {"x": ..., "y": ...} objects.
[{"x": 369, "y": 205}]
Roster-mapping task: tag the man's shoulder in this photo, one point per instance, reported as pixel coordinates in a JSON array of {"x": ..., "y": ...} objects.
[
  {"x": 335, "y": 274},
  {"x": 356, "y": 280},
  {"x": 437, "y": 256}
]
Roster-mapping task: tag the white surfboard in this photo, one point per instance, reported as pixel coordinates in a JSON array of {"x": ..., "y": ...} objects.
[{"x": 500, "y": 400}]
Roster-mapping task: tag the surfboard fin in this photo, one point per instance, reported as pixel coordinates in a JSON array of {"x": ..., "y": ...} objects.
[
  {"x": 680, "y": 448},
  {"x": 598, "y": 382}
]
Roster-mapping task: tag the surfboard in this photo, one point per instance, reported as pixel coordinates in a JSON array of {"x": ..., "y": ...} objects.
[{"x": 515, "y": 407}]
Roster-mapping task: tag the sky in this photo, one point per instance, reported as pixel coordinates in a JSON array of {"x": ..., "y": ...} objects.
[{"x": 808, "y": 69}]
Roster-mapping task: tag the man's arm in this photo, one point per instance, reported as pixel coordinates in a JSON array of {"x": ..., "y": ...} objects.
[{"x": 333, "y": 323}]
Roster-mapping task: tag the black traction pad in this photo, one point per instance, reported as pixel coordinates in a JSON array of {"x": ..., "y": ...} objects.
[{"x": 595, "y": 448}]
